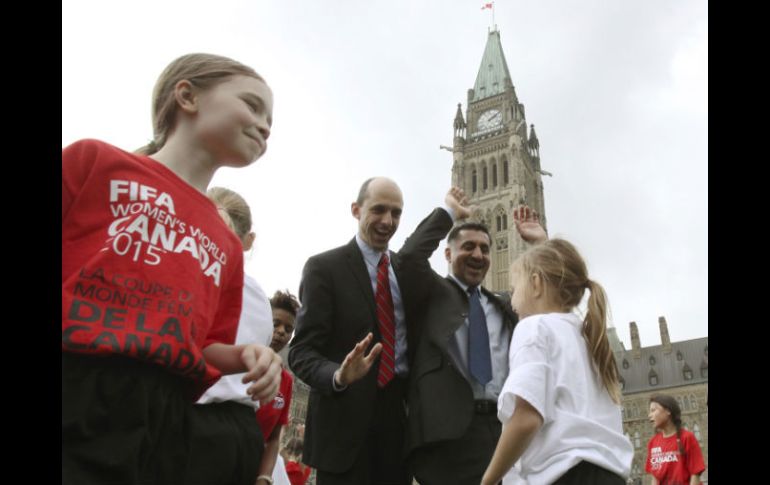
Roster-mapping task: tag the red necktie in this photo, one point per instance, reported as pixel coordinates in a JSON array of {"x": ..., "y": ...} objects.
[{"x": 387, "y": 323}]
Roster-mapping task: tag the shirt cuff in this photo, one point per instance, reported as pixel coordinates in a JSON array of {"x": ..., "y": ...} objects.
[
  {"x": 450, "y": 212},
  {"x": 335, "y": 386}
]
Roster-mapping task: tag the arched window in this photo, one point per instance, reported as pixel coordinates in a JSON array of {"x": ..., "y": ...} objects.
[
  {"x": 637, "y": 441},
  {"x": 687, "y": 372},
  {"x": 653, "y": 378},
  {"x": 652, "y": 360},
  {"x": 505, "y": 172},
  {"x": 494, "y": 175},
  {"x": 704, "y": 370},
  {"x": 622, "y": 384},
  {"x": 679, "y": 355},
  {"x": 473, "y": 181},
  {"x": 625, "y": 364},
  {"x": 485, "y": 182},
  {"x": 693, "y": 402},
  {"x": 696, "y": 431}
]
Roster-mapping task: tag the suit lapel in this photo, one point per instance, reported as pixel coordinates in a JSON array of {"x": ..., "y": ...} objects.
[
  {"x": 357, "y": 265},
  {"x": 455, "y": 323}
]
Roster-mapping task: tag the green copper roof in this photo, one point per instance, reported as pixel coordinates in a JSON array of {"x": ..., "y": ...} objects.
[{"x": 493, "y": 70}]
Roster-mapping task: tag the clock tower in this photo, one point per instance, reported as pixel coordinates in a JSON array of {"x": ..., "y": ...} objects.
[{"x": 497, "y": 159}]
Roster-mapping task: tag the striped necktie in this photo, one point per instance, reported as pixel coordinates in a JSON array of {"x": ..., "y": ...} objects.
[{"x": 387, "y": 323}]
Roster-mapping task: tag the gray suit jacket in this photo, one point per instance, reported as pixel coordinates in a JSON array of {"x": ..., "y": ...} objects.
[{"x": 440, "y": 396}]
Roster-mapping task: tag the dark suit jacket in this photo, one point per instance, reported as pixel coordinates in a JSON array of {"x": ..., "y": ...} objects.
[
  {"x": 440, "y": 398},
  {"x": 338, "y": 310}
]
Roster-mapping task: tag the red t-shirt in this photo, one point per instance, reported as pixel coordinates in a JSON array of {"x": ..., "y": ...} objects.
[
  {"x": 149, "y": 269},
  {"x": 277, "y": 412},
  {"x": 297, "y": 473},
  {"x": 665, "y": 463}
]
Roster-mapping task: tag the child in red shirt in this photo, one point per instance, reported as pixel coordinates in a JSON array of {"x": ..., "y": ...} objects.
[
  {"x": 673, "y": 455},
  {"x": 297, "y": 471},
  {"x": 273, "y": 416},
  {"x": 152, "y": 277}
]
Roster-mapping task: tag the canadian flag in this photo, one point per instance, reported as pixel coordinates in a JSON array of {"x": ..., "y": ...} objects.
[{"x": 486, "y": 5}]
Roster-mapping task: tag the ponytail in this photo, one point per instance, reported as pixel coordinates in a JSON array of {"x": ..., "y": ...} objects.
[
  {"x": 595, "y": 334},
  {"x": 148, "y": 149}
]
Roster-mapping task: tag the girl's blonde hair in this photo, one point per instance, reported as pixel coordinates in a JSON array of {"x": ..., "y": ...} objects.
[
  {"x": 563, "y": 271},
  {"x": 203, "y": 71},
  {"x": 235, "y": 206}
]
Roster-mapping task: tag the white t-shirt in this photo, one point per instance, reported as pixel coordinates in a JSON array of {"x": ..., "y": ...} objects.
[
  {"x": 550, "y": 368},
  {"x": 280, "y": 476},
  {"x": 254, "y": 326}
]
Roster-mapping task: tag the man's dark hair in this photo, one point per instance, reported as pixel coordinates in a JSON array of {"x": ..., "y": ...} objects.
[{"x": 467, "y": 226}]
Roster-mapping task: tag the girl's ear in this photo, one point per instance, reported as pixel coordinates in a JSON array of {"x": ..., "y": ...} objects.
[
  {"x": 185, "y": 96},
  {"x": 248, "y": 240},
  {"x": 537, "y": 285}
]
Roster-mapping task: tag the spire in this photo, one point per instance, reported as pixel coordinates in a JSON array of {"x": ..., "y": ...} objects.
[
  {"x": 664, "y": 338},
  {"x": 493, "y": 76},
  {"x": 534, "y": 143},
  {"x": 615, "y": 344},
  {"x": 459, "y": 121},
  {"x": 636, "y": 345}
]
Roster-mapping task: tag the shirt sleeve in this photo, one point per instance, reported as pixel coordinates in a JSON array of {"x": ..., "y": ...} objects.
[
  {"x": 77, "y": 160},
  {"x": 529, "y": 372},
  {"x": 225, "y": 325},
  {"x": 286, "y": 377},
  {"x": 694, "y": 460}
]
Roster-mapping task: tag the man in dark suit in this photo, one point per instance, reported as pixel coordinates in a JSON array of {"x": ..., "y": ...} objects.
[
  {"x": 352, "y": 296},
  {"x": 461, "y": 358}
]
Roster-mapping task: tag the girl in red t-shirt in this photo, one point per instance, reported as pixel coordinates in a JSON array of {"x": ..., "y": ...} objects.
[
  {"x": 298, "y": 472},
  {"x": 150, "y": 304},
  {"x": 673, "y": 455}
]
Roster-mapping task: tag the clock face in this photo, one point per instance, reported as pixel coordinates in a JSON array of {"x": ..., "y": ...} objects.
[{"x": 490, "y": 119}]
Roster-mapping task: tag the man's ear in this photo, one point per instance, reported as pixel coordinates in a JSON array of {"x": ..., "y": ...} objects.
[
  {"x": 448, "y": 254},
  {"x": 185, "y": 96},
  {"x": 355, "y": 209}
]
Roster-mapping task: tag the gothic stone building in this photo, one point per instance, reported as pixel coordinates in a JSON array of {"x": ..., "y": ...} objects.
[
  {"x": 496, "y": 160},
  {"x": 679, "y": 369}
]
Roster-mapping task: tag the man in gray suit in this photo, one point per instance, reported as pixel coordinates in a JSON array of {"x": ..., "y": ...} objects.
[{"x": 461, "y": 360}]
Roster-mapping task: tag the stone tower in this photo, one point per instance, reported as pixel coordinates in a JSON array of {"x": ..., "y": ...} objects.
[{"x": 497, "y": 159}]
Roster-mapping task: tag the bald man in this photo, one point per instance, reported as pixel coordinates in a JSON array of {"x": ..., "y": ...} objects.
[{"x": 352, "y": 298}]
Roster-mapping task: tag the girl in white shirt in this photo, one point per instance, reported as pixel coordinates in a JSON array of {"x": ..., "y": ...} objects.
[{"x": 560, "y": 405}]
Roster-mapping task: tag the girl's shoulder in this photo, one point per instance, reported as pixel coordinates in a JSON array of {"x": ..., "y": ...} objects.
[
  {"x": 546, "y": 322},
  {"x": 532, "y": 329},
  {"x": 89, "y": 150}
]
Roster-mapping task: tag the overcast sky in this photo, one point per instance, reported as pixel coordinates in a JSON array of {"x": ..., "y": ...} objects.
[{"x": 617, "y": 91}]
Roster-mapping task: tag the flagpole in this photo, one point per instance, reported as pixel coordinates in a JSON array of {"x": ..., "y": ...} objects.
[{"x": 493, "y": 16}]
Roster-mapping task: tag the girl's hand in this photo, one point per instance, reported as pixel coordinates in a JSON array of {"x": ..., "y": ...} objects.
[{"x": 264, "y": 370}]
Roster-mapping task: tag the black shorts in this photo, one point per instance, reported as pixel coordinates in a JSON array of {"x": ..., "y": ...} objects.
[
  {"x": 123, "y": 422},
  {"x": 226, "y": 444},
  {"x": 585, "y": 473}
]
